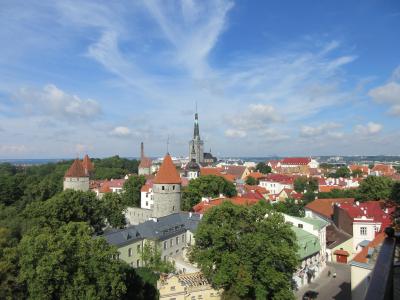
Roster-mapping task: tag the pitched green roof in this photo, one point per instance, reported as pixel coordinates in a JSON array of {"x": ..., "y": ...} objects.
[
  {"x": 308, "y": 243},
  {"x": 317, "y": 223}
]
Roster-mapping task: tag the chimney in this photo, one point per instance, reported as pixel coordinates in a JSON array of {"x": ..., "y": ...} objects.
[
  {"x": 141, "y": 150},
  {"x": 190, "y": 214}
]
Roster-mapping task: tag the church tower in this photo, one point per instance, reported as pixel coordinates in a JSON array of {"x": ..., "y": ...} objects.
[
  {"x": 166, "y": 189},
  {"x": 196, "y": 143}
]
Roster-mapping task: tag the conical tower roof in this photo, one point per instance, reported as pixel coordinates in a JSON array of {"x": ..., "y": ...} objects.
[
  {"x": 76, "y": 170},
  {"x": 87, "y": 164},
  {"x": 167, "y": 172}
]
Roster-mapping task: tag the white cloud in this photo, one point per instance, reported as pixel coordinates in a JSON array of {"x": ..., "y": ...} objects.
[
  {"x": 321, "y": 129},
  {"x": 53, "y": 102},
  {"x": 121, "y": 131},
  {"x": 389, "y": 93},
  {"x": 234, "y": 133},
  {"x": 369, "y": 128}
]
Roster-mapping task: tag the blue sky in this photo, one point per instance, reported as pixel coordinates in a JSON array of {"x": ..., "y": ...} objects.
[{"x": 269, "y": 77}]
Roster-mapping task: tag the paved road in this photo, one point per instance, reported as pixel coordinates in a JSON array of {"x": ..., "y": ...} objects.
[{"x": 338, "y": 288}]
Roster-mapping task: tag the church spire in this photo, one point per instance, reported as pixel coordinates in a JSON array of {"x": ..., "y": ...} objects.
[{"x": 196, "y": 133}]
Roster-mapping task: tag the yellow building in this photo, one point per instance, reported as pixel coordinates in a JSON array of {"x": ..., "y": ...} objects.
[{"x": 186, "y": 286}]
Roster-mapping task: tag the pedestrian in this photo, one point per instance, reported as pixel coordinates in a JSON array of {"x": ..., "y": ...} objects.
[
  {"x": 334, "y": 275},
  {"x": 329, "y": 273}
]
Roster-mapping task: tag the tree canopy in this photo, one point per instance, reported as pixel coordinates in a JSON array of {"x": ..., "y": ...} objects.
[
  {"x": 247, "y": 254},
  {"x": 251, "y": 180},
  {"x": 302, "y": 184},
  {"x": 263, "y": 168},
  {"x": 151, "y": 257},
  {"x": 206, "y": 186},
  {"x": 375, "y": 188},
  {"x": 131, "y": 190}
]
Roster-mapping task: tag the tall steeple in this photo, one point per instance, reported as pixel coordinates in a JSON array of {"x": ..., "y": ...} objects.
[{"x": 196, "y": 144}]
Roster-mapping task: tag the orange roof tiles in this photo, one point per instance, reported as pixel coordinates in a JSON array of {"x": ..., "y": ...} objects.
[
  {"x": 105, "y": 188},
  {"x": 361, "y": 257},
  {"x": 167, "y": 172},
  {"x": 210, "y": 171},
  {"x": 256, "y": 175},
  {"x": 87, "y": 164},
  {"x": 324, "y": 207},
  {"x": 329, "y": 188},
  {"x": 76, "y": 170}
]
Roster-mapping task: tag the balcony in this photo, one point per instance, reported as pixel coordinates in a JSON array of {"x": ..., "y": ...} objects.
[{"x": 385, "y": 279}]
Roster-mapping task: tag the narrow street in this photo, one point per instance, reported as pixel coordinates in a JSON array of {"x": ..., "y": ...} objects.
[{"x": 327, "y": 287}]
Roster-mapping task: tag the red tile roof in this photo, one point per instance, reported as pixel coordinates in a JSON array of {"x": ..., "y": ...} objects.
[
  {"x": 324, "y": 207},
  {"x": 256, "y": 175},
  {"x": 253, "y": 188},
  {"x": 362, "y": 256},
  {"x": 328, "y": 188},
  {"x": 146, "y": 188},
  {"x": 145, "y": 162},
  {"x": 384, "y": 169},
  {"x": 105, "y": 188},
  {"x": 285, "y": 179},
  {"x": 372, "y": 210},
  {"x": 167, "y": 172},
  {"x": 296, "y": 161},
  {"x": 210, "y": 171},
  {"x": 76, "y": 170},
  {"x": 87, "y": 164},
  {"x": 363, "y": 168}
]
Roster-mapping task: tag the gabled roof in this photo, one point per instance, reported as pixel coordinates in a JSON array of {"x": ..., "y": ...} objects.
[
  {"x": 296, "y": 161},
  {"x": 76, "y": 170},
  {"x": 324, "y": 207},
  {"x": 281, "y": 178},
  {"x": 87, "y": 164},
  {"x": 105, "y": 188},
  {"x": 167, "y": 172}
]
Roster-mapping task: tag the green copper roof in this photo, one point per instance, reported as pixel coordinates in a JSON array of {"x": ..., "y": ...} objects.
[
  {"x": 317, "y": 223},
  {"x": 308, "y": 243}
]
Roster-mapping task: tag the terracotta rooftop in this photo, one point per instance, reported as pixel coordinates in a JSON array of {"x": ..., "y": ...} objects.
[
  {"x": 87, "y": 164},
  {"x": 167, "y": 172},
  {"x": 295, "y": 161},
  {"x": 76, "y": 170},
  {"x": 362, "y": 257},
  {"x": 324, "y": 207}
]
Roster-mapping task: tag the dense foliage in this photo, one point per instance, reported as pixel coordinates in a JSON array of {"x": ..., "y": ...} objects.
[
  {"x": 206, "y": 186},
  {"x": 47, "y": 249},
  {"x": 114, "y": 167},
  {"x": 341, "y": 172},
  {"x": 151, "y": 257},
  {"x": 303, "y": 184},
  {"x": 251, "y": 180},
  {"x": 132, "y": 186},
  {"x": 247, "y": 254},
  {"x": 263, "y": 168},
  {"x": 375, "y": 188}
]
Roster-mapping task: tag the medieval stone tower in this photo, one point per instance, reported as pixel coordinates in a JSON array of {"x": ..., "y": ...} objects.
[
  {"x": 77, "y": 177},
  {"x": 196, "y": 143},
  {"x": 166, "y": 189}
]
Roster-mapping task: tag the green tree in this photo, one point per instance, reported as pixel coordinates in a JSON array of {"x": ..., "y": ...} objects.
[
  {"x": 10, "y": 287},
  {"x": 375, "y": 188},
  {"x": 342, "y": 172},
  {"x": 289, "y": 207},
  {"x": 308, "y": 197},
  {"x": 263, "y": 168},
  {"x": 69, "y": 264},
  {"x": 131, "y": 190},
  {"x": 206, "y": 186},
  {"x": 336, "y": 193},
  {"x": 151, "y": 257},
  {"x": 113, "y": 208},
  {"x": 357, "y": 173},
  {"x": 300, "y": 184},
  {"x": 238, "y": 250},
  {"x": 395, "y": 192},
  {"x": 68, "y": 206},
  {"x": 251, "y": 180}
]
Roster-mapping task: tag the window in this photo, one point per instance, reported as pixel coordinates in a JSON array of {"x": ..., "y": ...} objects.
[
  {"x": 130, "y": 252},
  {"x": 138, "y": 248},
  {"x": 171, "y": 242},
  {"x": 300, "y": 225},
  {"x": 138, "y": 263},
  {"x": 183, "y": 237},
  {"x": 165, "y": 245},
  {"x": 173, "y": 207},
  {"x": 172, "y": 288},
  {"x": 147, "y": 203},
  {"x": 363, "y": 230},
  {"x": 177, "y": 240},
  {"x": 163, "y": 188},
  {"x": 173, "y": 187}
]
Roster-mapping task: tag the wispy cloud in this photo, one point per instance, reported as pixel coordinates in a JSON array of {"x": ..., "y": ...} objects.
[
  {"x": 52, "y": 101},
  {"x": 368, "y": 129}
]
